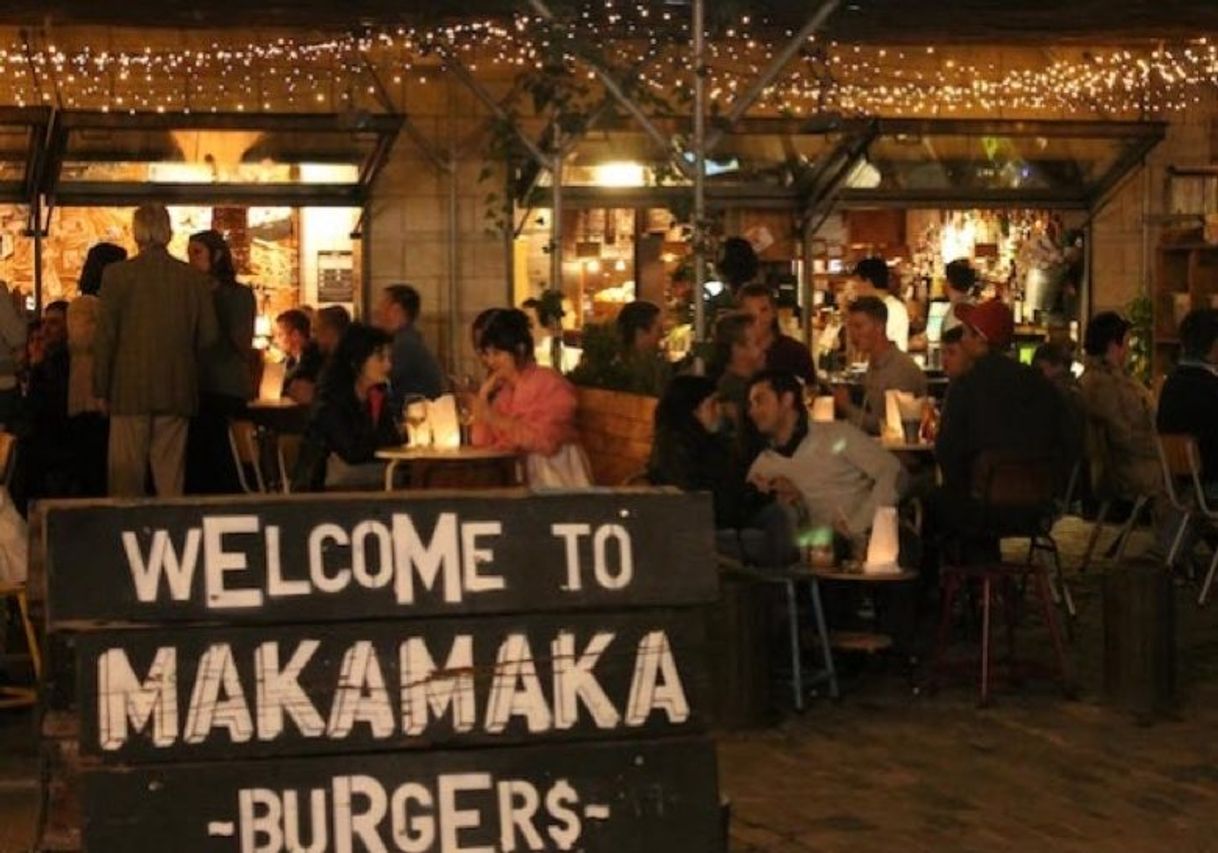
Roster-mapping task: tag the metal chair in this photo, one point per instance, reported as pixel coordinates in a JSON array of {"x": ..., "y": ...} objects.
[
  {"x": 1177, "y": 472},
  {"x": 243, "y": 440},
  {"x": 1181, "y": 454},
  {"x": 1117, "y": 549},
  {"x": 1015, "y": 496}
]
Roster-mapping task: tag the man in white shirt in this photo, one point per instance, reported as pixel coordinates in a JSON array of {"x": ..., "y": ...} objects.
[
  {"x": 840, "y": 474},
  {"x": 873, "y": 280},
  {"x": 961, "y": 279}
]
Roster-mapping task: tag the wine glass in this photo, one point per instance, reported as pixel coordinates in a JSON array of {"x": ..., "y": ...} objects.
[{"x": 414, "y": 412}]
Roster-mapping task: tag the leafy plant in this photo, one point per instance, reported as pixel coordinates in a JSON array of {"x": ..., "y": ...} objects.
[
  {"x": 602, "y": 365},
  {"x": 1141, "y": 337}
]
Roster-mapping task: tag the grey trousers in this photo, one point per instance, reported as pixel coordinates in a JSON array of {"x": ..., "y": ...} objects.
[{"x": 140, "y": 442}]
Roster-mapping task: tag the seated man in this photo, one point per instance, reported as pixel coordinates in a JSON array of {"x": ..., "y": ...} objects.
[
  {"x": 303, "y": 360},
  {"x": 956, "y": 361},
  {"x": 738, "y": 358},
  {"x": 1188, "y": 403},
  {"x": 1120, "y": 413},
  {"x": 999, "y": 406},
  {"x": 888, "y": 368},
  {"x": 838, "y": 473}
]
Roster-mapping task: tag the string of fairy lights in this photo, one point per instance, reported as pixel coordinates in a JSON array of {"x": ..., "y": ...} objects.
[{"x": 347, "y": 72}]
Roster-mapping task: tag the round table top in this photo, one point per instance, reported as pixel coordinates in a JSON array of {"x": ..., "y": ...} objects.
[
  {"x": 836, "y": 573},
  {"x": 464, "y": 453},
  {"x": 274, "y": 404},
  {"x": 902, "y": 447}
]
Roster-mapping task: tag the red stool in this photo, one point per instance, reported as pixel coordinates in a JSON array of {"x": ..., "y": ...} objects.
[{"x": 1014, "y": 497}]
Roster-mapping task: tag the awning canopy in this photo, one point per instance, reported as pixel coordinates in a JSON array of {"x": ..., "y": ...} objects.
[
  {"x": 216, "y": 158},
  {"x": 808, "y": 164}
]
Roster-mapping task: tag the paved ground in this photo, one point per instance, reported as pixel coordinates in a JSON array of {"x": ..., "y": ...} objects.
[{"x": 884, "y": 769}]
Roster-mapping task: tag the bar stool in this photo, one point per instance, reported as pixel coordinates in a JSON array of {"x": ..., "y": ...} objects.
[
  {"x": 12, "y": 696},
  {"x": 790, "y": 578},
  {"x": 1015, "y": 495}
]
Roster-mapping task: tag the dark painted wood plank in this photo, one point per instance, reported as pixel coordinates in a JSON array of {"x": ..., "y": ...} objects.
[
  {"x": 95, "y": 552},
  {"x": 632, "y": 658},
  {"x": 643, "y": 797}
]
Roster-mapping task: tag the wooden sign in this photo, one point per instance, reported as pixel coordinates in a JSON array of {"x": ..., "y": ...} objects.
[
  {"x": 478, "y": 672},
  {"x": 319, "y": 558},
  {"x": 597, "y": 798},
  {"x": 205, "y": 693}
]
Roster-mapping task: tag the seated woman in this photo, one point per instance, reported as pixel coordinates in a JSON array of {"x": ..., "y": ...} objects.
[
  {"x": 351, "y": 419},
  {"x": 640, "y": 329},
  {"x": 526, "y": 408},
  {"x": 689, "y": 450}
]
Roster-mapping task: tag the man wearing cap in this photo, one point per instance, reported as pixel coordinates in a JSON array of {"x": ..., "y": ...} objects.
[{"x": 998, "y": 405}]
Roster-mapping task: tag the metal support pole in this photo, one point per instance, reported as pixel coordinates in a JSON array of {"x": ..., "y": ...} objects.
[
  {"x": 36, "y": 215},
  {"x": 480, "y": 92},
  {"x": 556, "y": 216},
  {"x": 615, "y": 89},
  {"x": 454, "y": 280},
  {"x": 700, "y": 231},
  {"x": 742, "y": 104}
]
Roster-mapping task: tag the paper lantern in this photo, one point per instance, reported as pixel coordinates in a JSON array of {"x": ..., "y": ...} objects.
[
  {"x": 443, "y": 423},
  {"x": 823, "y": 410},
  {"x": 884, "y": 546}
]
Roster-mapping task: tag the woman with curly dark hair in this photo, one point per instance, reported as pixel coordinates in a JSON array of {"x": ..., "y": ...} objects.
[{"x": 352, "y": 418}]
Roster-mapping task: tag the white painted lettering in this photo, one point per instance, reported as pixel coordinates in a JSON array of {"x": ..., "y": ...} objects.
[
  {"x": 348, "y": 825},
  {"x": 361, "y": 695},
  {"x": 260, "y": 831},
  {"x": 441, "y": 553},
  {"x": 560, "y": 803},
  {"x": 278, "y": 690},
  {"x": 319, "y": 829},
  {"x": 647, "y": 691},
  {"x": 625, "y": 568},
  {"x": 472, "y": 556},
  {"x": 179, "y": 571},
  {"x": 276, "y": 585},
  {"x": 516, "y": 689},
  {"x": 359, "y": 554},
  {"x": 423, "y": 687},
  {"x": 412, "y": 833},
  {"x": 574, "y": 681},
  {"x": 217, "y": 672},
  {"x": 453, "y": 819},
  {"x": 217, "y": 562},
  {"x": 570, "y": 534},
  {"x": 338, "y": 581},
  {"x": 122, "y": 698},
  {"x": 518, "y": 802}
]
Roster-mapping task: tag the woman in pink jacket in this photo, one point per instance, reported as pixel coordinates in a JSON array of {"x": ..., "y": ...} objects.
[{"x": 527, "y": 408}]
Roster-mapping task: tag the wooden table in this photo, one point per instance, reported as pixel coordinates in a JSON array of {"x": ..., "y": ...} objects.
[
  {"x": 282, "y": 415},
  {"x": 482, "y": 466},
  {"x": 861, "y": 641}
]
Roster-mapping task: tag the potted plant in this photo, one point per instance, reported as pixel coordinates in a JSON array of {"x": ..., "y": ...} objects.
[{"x": 616, "y": 410}]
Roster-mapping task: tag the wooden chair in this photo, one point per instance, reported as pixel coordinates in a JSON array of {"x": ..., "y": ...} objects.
[
  {"x": 12, "y": 696},
  {"x": 243, "y": 440},
  {"x": 8, "y": 457},
  {"x": 1016, "y": 498}
]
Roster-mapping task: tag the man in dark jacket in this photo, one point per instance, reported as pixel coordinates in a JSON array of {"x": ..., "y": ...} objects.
[
  {"x": 999, "y": 405},
  {"x": 415, "y": 370},
  {"x": 1188, "y": 403}
]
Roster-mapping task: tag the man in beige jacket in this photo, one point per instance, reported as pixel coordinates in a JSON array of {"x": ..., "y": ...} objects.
[{"x": 156, "y": 318}]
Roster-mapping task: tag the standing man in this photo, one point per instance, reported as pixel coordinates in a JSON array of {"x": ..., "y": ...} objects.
[
  {"x": 873, "y": 280},
  {"x": 782, "y": 352},
  {"x": 155, "y": 322},
  {"x": 888, "y": 368},
  {"x": 414, "y": 369}
]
